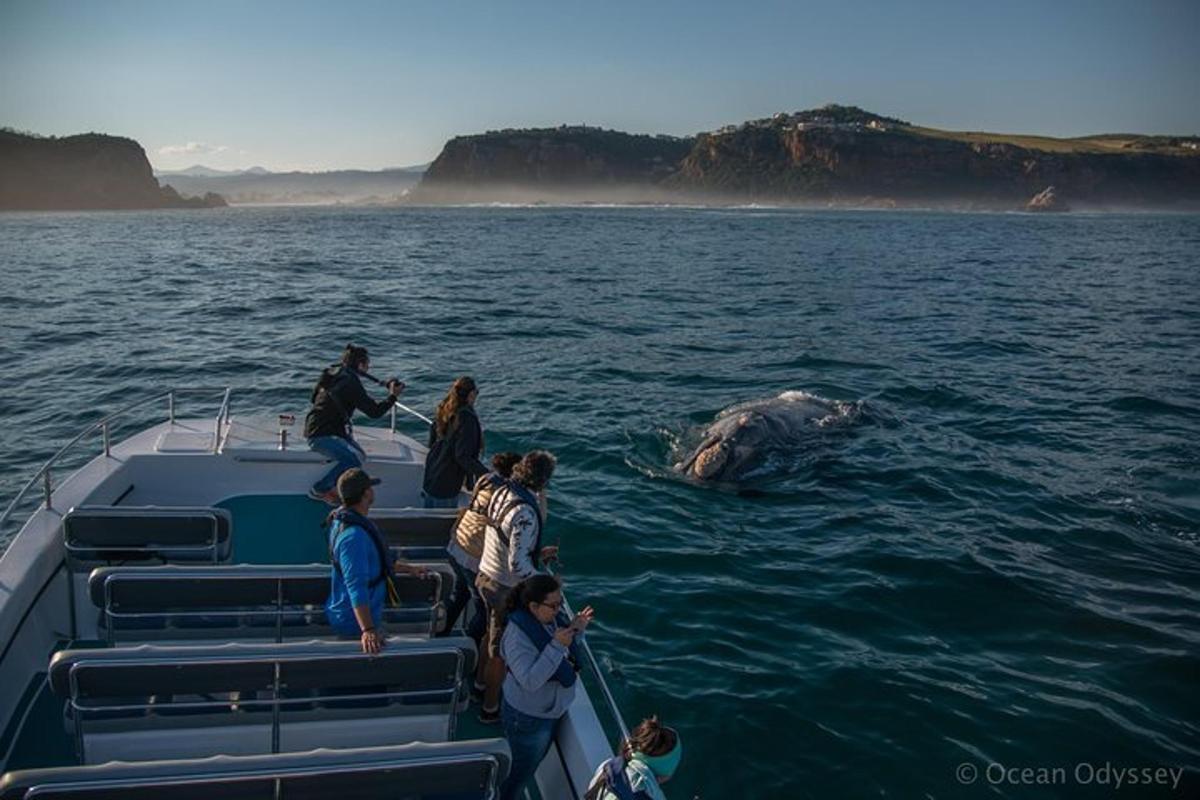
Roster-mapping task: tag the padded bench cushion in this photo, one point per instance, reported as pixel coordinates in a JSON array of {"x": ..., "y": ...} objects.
[
  {"x": 184, "y": 669},
  {"x": 466, "y": 769},
  {"x": 416, "y": 529},
  {"x": 181, "y": 601},
  {"x": 144, "y": 532},
  {"x": 181, "y": 588}
]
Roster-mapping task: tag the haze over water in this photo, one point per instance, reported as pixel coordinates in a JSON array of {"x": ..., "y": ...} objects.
[{"x": 997, "y": 563}]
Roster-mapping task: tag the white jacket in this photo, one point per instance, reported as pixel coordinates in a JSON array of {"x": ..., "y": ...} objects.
[{"x": 509, "y": 564}]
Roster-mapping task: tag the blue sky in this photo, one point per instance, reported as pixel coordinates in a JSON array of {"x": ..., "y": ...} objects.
[{"x": 303, "y": 85}]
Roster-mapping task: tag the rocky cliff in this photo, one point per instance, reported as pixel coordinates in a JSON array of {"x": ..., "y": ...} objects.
[
  {"x": 549, "y": 162},
  {"x": 90, "y": 171},
  {"x": 848, "y": 163},
  {"x": 831, "y": 155}
]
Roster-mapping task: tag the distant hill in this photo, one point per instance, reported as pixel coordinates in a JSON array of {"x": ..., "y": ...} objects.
[
  {"x": 201, "y": 171},
  {"x": 830, "y": 155},
  {"x": 89, "y": 171},
  {"x": 257, "y": 185},
  {"x": 552, "y": 162}
]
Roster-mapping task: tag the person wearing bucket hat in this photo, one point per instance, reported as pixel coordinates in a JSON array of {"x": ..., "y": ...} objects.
[
  {"x": 362, "y": 568},
  {"x": 649, "y": 757}
]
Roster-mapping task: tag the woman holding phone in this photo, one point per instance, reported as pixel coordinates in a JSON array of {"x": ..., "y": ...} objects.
[{"x": 539, "y": 649}]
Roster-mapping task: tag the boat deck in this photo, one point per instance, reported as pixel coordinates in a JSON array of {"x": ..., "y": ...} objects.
[
  {"x": 271, "y": 529},
  {"x": 165, "y": 608}
]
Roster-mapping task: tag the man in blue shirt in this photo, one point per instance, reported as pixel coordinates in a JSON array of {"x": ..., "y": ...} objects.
[{"x": 362, "y": 564}]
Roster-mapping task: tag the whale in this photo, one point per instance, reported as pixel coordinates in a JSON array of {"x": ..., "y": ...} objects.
[{"x": 748, "y": 440}]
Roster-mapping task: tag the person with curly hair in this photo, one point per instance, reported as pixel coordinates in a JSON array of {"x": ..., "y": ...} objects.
[{"x": 512, "y": 552}]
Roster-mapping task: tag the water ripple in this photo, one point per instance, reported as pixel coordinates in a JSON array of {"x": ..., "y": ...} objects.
[{"x": 1000, "y": 564}]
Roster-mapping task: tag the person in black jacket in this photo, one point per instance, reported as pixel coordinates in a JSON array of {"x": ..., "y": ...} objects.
[
  {"x": 336, "y": 396},
  {"x": 455, "y": 444}
]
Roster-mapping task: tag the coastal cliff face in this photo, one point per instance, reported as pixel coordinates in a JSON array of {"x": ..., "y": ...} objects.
[
  {"x": 848, "y": 164},
  {"x": 832, "y": 155},
  {"x": 551, "y": 161},
  {"x": 90, "y": 171}
]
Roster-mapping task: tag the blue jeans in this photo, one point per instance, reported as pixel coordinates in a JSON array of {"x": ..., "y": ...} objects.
[
  {"x": 439, "y": 502},
  {"x": 464, "y": 591},
  {"x": 346, "y": 454},
  {"x": 529, "y": 739}
]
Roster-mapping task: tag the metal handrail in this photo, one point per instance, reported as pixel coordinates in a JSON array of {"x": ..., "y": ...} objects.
[
  {"x": 416, "y": 414},
  {"x": 595, "y": 667},
  {"x": 43, "y": 473},
  {"x": 608, "y": 697}
]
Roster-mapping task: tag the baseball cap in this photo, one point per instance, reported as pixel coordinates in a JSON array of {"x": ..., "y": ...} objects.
[{"x": 352, "y": 483}]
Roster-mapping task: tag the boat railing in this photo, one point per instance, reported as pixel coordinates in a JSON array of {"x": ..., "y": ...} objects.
[
  {"x": 610, "y": 702},
  {"x": 44, "y": 474},
  {"x": 410, "y": 412}
]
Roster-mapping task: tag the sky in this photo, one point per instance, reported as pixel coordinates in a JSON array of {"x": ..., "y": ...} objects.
[{"x": 368, "y": 85}]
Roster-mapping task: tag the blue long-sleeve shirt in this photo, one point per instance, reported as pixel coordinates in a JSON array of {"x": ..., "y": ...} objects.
[{"x": 358, "y": 558}]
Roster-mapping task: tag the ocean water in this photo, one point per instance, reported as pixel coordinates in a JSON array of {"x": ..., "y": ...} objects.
[{"x": 996, "y": 562}]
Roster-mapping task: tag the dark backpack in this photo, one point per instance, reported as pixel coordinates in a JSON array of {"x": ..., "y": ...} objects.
[{"x": 518, "y": 495}]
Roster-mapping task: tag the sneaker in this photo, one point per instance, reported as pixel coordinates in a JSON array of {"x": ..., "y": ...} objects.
[
  {"x": 489, "y": 716},
  {"x": 330, "y": 497}
]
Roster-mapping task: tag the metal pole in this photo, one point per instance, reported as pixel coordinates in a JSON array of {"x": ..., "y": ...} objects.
[
  {"x": 171, "y": 407},
  {"x": 613, "y": 709},
  {"x": 283, "y": 438},
  {"x": 107, "y": 443},
  {"x": 393, "y": 418},
  {"x": 46, "y": 485}
]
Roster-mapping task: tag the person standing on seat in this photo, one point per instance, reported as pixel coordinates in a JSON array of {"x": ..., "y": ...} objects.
[
  {"x": 363, "y": 569},
  {"x": 648, "y": 758},
  {"x": 455, "y": 444},
  {"x": 512, "y": 552},
  {"x": 337, "y": 394},
  {"x": 540, "y": 650}
]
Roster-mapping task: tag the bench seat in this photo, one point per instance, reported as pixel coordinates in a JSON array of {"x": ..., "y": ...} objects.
[
  {"x": 104, "y": 534},
  {"x": 177, "y": 701},
  {"x": 246, "y": 601},
  {"x": 469, "y": 770}
]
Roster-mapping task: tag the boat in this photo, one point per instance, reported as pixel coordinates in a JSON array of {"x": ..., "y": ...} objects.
[{"x": 162, "y": 616}]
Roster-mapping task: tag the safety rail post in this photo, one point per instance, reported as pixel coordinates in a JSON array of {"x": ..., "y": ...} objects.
[
  {"x": 283, "y": 438},
  {"x": 393, "y": 419},
  {"x": 222, "y": 417},
  {"x": 104, "y": 425},
  {"x": 107, "y": 442}
]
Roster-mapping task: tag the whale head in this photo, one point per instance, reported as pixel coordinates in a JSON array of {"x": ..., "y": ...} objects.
[{"x": 710, "y": 460}]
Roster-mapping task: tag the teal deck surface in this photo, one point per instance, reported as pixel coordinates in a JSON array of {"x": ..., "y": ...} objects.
[{"x": 278, "y": 529}]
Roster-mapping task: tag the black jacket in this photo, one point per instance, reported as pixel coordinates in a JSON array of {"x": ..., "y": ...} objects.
[
  {"x": 454, "y": 458},
  {"x": 336, "y": 396}
]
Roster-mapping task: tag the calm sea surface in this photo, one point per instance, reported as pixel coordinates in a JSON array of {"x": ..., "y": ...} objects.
[{"x": 999, "y": 561}]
